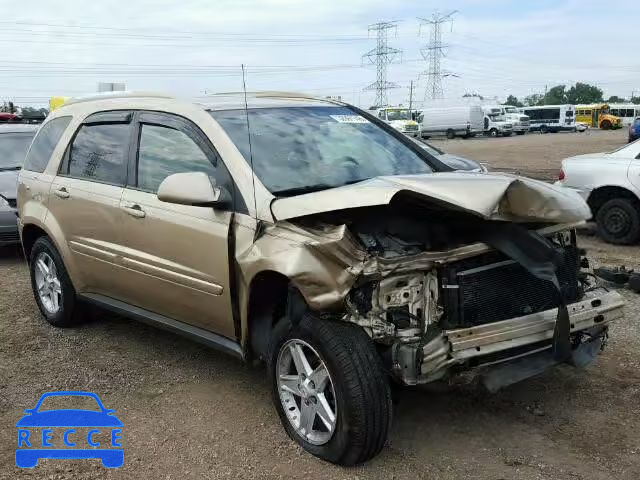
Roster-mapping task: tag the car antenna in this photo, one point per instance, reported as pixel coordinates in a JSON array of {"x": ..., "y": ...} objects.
[{"x": 253, "y": 173}]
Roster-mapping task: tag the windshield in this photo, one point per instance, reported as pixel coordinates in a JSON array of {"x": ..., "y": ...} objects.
[
  {"x": 13, "y": 149},
  {"x": 511, "y": 110},
  {"x": 302, "y": 149},
  {"x": 398, "y": 115}
]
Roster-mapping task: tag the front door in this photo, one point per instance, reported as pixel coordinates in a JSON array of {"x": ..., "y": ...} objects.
[
  {"x": 85, "y": 199},
  {"x": 175, "y": 257}
]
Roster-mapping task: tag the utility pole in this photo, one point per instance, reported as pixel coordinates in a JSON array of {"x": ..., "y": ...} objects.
[
  {"x": 433, "y": 51},
  {"x": 544, "y": 99},
  {"x": 411, "y": 96},
  {"x": 381, "y": 56}
]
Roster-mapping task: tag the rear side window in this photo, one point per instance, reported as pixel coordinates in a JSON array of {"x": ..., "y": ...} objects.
[
  {"x": 99, "y": 153},
  {"x": 44, "y": 144}
]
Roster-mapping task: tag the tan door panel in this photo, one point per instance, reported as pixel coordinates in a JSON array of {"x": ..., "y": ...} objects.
[
  {"x": 89, "y": 214},
  {"x": 175, "y": 259}
]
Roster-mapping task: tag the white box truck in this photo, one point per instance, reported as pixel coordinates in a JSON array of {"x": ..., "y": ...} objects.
[
  {"x": 495, "y": 123},
  {"x": 399, "y": 118},
  {"x": 452, "y": 121}
]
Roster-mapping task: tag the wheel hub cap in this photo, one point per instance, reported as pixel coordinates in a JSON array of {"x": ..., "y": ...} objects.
[
  {"x": 48, "y": 286},
  {"x": 306, "y": 392}
]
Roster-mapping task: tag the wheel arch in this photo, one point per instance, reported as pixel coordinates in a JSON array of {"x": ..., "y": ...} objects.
[
  {"x": 267, "y": 301},
  {"x": 600, "y": 195},
  {"x": 34, "y": 229}
]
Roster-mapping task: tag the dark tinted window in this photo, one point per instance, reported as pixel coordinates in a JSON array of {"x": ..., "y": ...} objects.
[
  {"x": 99, "y": 153},
  {"x": 165, "y": 151},
  {"x": 298, "y": 149},
  {"x": 45, "y": 142},
  {"x": 13, "y": 148}
]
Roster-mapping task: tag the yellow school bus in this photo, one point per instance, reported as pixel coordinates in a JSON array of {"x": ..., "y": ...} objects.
[{"x": 597, "y": 115}]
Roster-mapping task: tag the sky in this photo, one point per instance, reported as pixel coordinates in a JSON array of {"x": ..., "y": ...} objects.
[{"x": 193, "y": 48}]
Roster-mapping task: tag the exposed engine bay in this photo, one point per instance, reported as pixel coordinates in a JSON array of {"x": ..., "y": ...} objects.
[{"x": 425, "y": 281}]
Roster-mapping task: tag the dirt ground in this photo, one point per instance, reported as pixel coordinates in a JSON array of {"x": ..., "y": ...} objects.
[
  {"x": 191, "y": 412},
  {"x": 533, "y": 155}
]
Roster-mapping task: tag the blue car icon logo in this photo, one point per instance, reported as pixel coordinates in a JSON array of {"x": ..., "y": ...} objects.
[{"x": 80, "y": 433}]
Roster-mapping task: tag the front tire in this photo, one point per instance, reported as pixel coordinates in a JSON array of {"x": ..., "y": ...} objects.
[
  {"x": 493, "y": 133},
  {"x": 52, "y": 287},
  {"x": 618, "y": 221},
  {"x": 451, "y": 134},
  {"x": 606, "y": 125},
  {"x": 330, "y": 389}
]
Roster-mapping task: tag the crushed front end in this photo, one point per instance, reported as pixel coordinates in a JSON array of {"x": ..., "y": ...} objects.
[{"x": 437, "y": 314}]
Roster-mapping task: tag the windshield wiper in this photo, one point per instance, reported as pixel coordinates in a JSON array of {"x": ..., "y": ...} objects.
[
  {"x": 7, "y": 169},
  {"x": 290, "y": 192}
]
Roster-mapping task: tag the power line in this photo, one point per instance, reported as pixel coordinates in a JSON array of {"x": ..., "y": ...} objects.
[
  {"x": 381, "y": 56},
  {"x": 433, "y": 52}
]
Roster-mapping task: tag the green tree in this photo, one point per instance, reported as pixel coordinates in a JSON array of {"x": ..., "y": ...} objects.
[
  {"x": 555, "y": 96},
  {"x": 473, "y": 95},
  {"x": 635, "y": 100},
  {"x": 533, "y": 99},
  {"x": 584, "y": 93},
  {"x": 616, "y": 99},
  {"x": 513, "y": 100}
]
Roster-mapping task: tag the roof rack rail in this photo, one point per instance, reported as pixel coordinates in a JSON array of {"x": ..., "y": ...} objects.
[{"x": 120, "y": 94}]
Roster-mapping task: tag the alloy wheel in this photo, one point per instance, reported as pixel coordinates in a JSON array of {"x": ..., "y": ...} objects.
[
  {"x": 48, "y": 285},
  {"x": 306, "y": 391}
]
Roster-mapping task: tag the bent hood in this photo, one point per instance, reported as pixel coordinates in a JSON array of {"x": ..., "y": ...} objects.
[{"x": 490, "y": 196}]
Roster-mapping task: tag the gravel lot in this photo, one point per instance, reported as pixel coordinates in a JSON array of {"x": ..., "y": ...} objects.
[{"x": 190, "y": 412}]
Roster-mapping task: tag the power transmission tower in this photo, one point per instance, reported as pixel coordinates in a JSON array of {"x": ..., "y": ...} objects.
[
  {"x": 433, "y": 52},
  {"x": 381, "y": 56}
]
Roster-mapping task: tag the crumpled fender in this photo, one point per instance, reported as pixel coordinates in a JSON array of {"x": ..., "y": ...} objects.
[{"x": 322, "y": 263}]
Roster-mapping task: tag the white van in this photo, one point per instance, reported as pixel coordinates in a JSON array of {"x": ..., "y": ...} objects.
[
  {"x": 462, "y": 121},
  {"x": 399, "y": 118},
  {"x": 495, "y": 122},
  {"x": 551, "y": 118}
]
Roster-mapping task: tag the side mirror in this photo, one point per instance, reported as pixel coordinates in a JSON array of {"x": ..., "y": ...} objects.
[{"x": 193, "y": 188}]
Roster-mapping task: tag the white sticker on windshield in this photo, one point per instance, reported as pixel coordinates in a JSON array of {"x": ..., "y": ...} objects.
[{"x": 349, "y": 118}]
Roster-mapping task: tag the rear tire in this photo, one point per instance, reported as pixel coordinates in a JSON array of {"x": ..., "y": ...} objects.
[
  {"x": 52, "y": 287},
  {"x": 618, "y": 221},
  {"x": 605, "y": 125},
  {"x": 520, "y": 133},
  {"x": 544, "y": 129},
  {"x": 451, "y": 134},
  {"x": 360, "y": 396}
]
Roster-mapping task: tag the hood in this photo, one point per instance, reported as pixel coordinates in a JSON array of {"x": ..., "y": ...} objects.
[
  {"x": 9, "y": 183},
  {"x": 489, "y": 196}
]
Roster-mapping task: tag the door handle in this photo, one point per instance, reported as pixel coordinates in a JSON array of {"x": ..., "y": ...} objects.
[
  {"x": 134, "y": 211},
  {"x": 61, "y": 192}
]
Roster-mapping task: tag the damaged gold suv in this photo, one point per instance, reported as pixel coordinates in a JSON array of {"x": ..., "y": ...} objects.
[{"x": 308, "y": 234}]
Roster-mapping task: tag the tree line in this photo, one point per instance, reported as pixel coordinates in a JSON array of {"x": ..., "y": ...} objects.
[{"x": 580, "y": 93}]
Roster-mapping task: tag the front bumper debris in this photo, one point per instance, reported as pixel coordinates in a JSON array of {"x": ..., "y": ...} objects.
[{"x": 457, "y": 350}]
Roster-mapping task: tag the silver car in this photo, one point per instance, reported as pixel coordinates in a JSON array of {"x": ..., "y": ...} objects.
[{"x": 14, "y": 143}]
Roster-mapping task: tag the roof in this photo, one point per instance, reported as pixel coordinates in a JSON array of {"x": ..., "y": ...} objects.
[
  {"x": 111, "y": 95},
  {"x": 266, "y": 99},
  {"x": 219, "y": 101},
  {"x": 18, "y": 127}
]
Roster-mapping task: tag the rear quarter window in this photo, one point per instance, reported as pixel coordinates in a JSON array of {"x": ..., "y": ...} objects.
[{"x": 45, "y": 142}]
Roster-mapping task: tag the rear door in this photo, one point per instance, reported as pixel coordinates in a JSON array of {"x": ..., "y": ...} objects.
[
  {"x": 85, "y": 198},
  {"x": 176, "y": 257}
]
